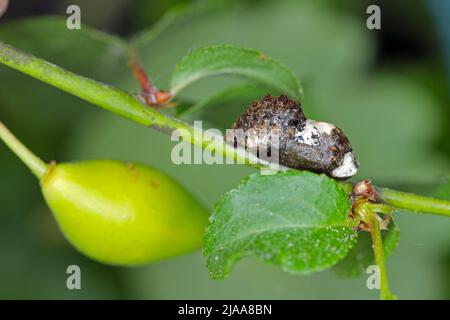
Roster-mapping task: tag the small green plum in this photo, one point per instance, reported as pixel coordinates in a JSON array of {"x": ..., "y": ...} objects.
[{"x": 123, "y": 213}]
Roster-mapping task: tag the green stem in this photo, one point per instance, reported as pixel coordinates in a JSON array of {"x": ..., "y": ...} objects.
[
  {"x": 380, "y": 208},
  {"x": 385, "y": 292},
  {"x": 127, "y": 106},
  {"x": 121, "y": 103},
  {"x": 36, "y": 165},
  {"x": 415, "y": 203}
]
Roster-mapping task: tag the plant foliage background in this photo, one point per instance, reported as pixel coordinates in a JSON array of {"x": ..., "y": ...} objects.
[{"x": 388, "y": 89}]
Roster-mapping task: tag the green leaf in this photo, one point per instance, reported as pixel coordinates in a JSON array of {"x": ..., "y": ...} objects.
[
  {"x": 361, "y": 255},
  {"x": 294, "y": 220},
  {"x": 240, "y": 94},
  {"x": 224, "y": 107},
  {"x": 229, "y": 60}
]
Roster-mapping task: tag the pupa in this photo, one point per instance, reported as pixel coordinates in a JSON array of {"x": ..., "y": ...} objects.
[{"x": 303, "y": 144}]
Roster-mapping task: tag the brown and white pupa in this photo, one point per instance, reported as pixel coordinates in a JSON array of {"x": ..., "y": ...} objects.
[{"x": 304, "y": 144}]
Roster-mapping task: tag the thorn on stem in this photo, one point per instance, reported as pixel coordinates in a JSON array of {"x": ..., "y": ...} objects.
[
  {"x": 3, "y": 6},
  {"x": 150, "y": 94}
]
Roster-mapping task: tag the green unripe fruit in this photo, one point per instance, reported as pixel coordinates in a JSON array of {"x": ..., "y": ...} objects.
[
  {"x": 115, "y": 212},
  {"x": 122, "y": 213}
]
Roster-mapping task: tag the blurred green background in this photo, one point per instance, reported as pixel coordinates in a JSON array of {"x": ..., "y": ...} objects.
[{"x": 388, "y": 89}]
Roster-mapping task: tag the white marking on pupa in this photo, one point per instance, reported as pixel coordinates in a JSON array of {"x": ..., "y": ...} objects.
[
  {"x": 309, "y": 135},
  {"x": 348, "y": 168},
  {"x": 324, "y": 127}
]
